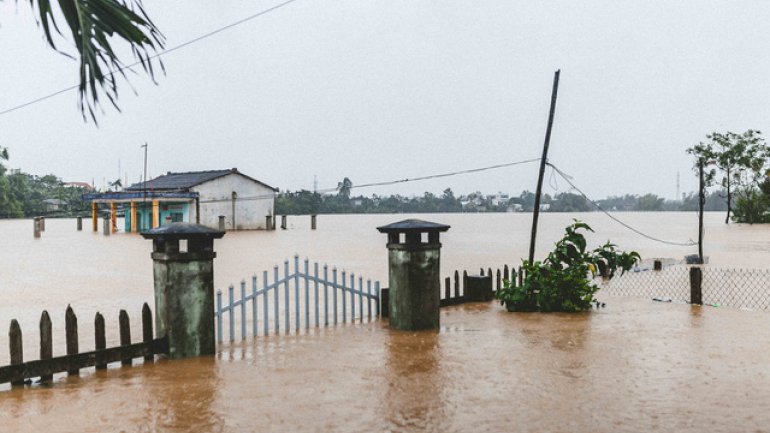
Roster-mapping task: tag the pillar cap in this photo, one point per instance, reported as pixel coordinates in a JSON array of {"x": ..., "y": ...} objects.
[
  {"x": 183, "y": 231},
  {"x": 413, "y": 225}
]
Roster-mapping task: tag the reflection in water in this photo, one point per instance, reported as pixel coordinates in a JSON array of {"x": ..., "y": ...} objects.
[
  {"x": 413, "y": 399},
  {"x": 183, "y": 397}
]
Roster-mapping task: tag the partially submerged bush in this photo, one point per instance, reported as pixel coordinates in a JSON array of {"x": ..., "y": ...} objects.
[{"x": 564, "y": 280}]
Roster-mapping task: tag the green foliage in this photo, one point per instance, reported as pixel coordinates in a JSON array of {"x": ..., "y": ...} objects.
[
  {"x": 737, "y": 162},
  {"x": 649, "y": 202},
  {"x": 563, "y": 281},
  {"x": 94, "y": 26}
]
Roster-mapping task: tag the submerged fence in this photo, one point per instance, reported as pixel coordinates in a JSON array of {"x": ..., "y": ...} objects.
[
  {"x": 738, "y": 288},
  {"x": 298, "y": 299},
  {"x": 74, "y": 360}
]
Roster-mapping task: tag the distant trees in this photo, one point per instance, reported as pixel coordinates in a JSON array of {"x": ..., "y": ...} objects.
[
  {"x": 23, "y": 194},
  {"x": 738, "y": 162}
]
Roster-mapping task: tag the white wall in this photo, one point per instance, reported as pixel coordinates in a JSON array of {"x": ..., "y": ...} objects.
[{"x": 249, "y": 213}]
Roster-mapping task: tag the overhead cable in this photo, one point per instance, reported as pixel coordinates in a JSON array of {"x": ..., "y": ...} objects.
[
  {"x": 154, "y": 56},
  {"x": 386, "y": 183},
  {"x": 568, "y": 178}
]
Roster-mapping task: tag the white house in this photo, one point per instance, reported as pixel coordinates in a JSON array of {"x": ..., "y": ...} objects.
[{"x": 198, "y": 196}]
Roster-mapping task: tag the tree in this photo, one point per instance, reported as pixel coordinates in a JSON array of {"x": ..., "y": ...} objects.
[
  {"x": 568, "y": 202},
  {"x": 94, "y": 25},
  {"x": 739, "y": 157},
  {"x": 344, "y": 187},
  {"x": 649, "y": 202}
]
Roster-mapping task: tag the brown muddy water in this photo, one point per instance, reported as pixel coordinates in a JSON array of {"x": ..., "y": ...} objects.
[{"x": 632, "y": 366}]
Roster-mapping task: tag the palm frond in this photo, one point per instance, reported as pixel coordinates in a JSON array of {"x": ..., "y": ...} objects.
[{"x": 94, "y": 26}]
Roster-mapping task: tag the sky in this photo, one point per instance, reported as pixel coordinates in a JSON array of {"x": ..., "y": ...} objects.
[{"x": 378, "y": 90}]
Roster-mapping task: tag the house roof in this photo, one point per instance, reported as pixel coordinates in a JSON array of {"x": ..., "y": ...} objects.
[{"x": 184, "y": 181}]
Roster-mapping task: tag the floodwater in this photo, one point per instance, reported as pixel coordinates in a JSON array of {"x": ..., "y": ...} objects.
[{"x": 633, "y": 366}]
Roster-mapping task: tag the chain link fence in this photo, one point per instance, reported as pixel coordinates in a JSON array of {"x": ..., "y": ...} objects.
[{"x": 737, "y": 288}]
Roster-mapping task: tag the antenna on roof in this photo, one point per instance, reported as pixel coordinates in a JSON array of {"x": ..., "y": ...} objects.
[{"x": 144, "y": 188}]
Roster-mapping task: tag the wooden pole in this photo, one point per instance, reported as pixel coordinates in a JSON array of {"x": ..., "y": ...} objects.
[
  {"x": 543, "y": 160},
  {"x": 71, "y": 332},
  {"x": 701, "y": 202},
  {"x": 46, "y": 342},
  {"x": 16, "y": 347}
]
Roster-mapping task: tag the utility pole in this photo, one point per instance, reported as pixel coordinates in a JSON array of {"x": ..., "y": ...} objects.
[
  {"x": 543, "y": 160},
  {"x": 701, "y": 203},
  {"x": 144, "y": 177}
]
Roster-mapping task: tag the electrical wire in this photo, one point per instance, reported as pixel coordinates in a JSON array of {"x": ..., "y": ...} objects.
[
  {"x": 385, "y": 183},
  {"x": 154, "y": 56},
  {"x": 568, "y": 178}
]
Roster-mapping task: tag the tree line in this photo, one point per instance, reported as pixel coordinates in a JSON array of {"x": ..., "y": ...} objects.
[
  {"x": 26, "y": 195},
  {"x": 305, "y": 202}
]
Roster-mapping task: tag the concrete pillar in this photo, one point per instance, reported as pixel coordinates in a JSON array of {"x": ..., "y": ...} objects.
[
  {"x": 184, "y": 287},
  {"x": 94, "y": 216},
  {"x": 155, "y": 213},
  {"x": 312, "y": 222},
  {"x": 114, "y": 216},
  {"x": 268, "y": 222},
  {"x": 42, "y": 224},
  {"x": 478, "y": 288},
  {"x": 222, "y": 223},
  {"x": 134, "y": 221},
  {"x": 106, "y": 229},
  {"x": 283, "y": 222},
  {"x": 414, "y": 274},
  {"x": 696, "y": 291},
  {"x": 80, "y": 224},
  {"x": 36, "y": 227}
]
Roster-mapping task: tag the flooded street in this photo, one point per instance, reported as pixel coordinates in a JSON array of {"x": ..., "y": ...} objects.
[{"x": 632, "y": 366}]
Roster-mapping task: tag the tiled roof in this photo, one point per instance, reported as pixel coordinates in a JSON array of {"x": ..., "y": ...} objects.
[
  {"x": 180, "y": 181},
  {"x": 185, "y": 181}
]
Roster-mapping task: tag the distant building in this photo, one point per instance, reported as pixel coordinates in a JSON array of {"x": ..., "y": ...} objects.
[
  {"x": 199, "y": 197},
  {"x": 54, "y": 204},
  {"x": 85, "y": 185}
]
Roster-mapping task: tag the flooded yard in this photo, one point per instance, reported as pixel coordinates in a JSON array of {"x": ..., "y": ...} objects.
[
  {"x": 635, "y": 365},
  {"x": 632, "y": 366}
]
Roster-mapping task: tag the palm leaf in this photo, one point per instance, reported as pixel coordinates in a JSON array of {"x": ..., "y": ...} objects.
[{"x": 94, "y": 25}]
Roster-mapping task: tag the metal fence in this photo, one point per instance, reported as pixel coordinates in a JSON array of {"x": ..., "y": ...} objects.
[
  {"x": 737, "y": 288},
  {"x": 299, "y": 299}
]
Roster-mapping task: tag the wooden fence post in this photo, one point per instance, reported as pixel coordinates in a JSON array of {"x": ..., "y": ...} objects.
[
  {"x": 125, "y": 335},
  {"x": 696, "y": 292},
  {"x": 481, "y": 271},
  {"x": 385, "y": 302},
  {"x": 46, "y": 342},
  {"x": 521, "y": 277},
  {"x": 147, "y": 329},
  {"x": 100, "y": 341},
  {"x": 457, "y": 284},
  {"x": 499, "y": 282},
  {"x": 506, "y": 273},
  {"x": 15, "y": 345},
  {"x": 465, "y": 282},
  {"x": 447, "y": 287},
  {"x": 71, "y": 329}
]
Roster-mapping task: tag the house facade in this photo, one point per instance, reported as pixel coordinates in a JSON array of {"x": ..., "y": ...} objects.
[{"x": 200, "y": 197}]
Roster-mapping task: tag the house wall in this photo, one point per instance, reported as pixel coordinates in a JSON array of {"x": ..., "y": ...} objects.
[{"x": 249, "y": 213}]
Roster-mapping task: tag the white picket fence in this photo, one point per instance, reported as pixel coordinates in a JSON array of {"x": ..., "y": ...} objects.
[{"x": 309, "y": 300}]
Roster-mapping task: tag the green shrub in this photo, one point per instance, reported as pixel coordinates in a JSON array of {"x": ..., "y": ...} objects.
[{"x": 564, "y": 280}]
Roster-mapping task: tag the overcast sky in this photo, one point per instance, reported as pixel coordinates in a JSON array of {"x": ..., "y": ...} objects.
[{"x": 382, "y": 89}]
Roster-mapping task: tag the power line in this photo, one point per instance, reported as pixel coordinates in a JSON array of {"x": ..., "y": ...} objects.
[
  {"x": 154, "y": 56},
  {"x": 389, "y": 182},
  {"x": 595, "y": 204}
]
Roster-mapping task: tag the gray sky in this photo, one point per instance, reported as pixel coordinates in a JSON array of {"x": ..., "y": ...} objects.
[{"x": 381, "y": 89}]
